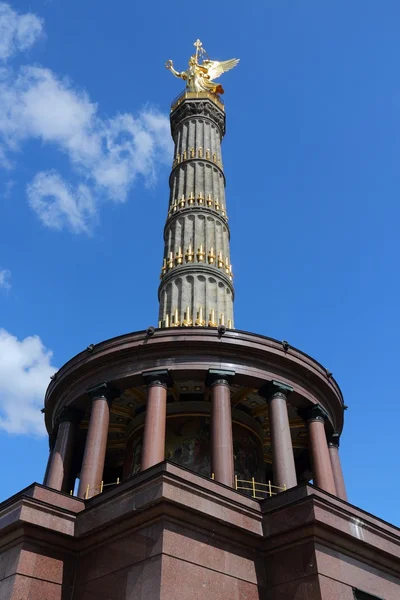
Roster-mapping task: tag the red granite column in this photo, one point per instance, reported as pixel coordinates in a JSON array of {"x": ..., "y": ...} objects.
[
  {"x": 153, "y": 447},
  {"x": 52, "y": 442},
  {"x": 59, "y": 472},
  {"x": 221, "y": 428},
  {"x": 333, "y": 446},
  {"x": 283, "y": 465},
  {"x": 319, "y": 453},
  {"x": 96, "y": 443}
]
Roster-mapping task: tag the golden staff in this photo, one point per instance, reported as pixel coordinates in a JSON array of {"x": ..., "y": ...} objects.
[{"x": 199, "y": 49}]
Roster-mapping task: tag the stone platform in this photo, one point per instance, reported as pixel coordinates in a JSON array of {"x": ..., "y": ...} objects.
[{"x": 170, "y": 534}]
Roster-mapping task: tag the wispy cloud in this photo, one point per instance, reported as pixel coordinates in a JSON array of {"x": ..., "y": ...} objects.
[
  {"x": 8, "y": 187},
  {"x": 5, "y": 279},
  {"x": 57, "y": 204},
  {"x": 108, "y": 154},
  {"x": 25, "y": 370},
  {"x": 17, "y": 32}
]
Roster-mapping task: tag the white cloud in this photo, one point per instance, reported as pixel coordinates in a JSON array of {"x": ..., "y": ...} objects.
[
  {"x": 17, "y": 32},
  {"x": 108, "y": 154},
  {"x": 5, "y": 279},
  {"x": 56, "y": 203},
  {"x": 8, "y": 187},
  {"x": 25, "y": 370}
]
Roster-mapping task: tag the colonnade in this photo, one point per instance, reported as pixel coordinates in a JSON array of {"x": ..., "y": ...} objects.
[{"x": 324, "y": 454}]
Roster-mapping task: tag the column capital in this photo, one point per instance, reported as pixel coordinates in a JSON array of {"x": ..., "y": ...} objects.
[
  {"x": 103, "y": 390},
  {"x": 219, "y": 377},
  {"x": 316, "y": 413},
  {"x": 334, "y": 440},
  {"x": 70, "y": 414},
  {"x": 161, "y": 377},
  {"x": 275, "y": 389}
]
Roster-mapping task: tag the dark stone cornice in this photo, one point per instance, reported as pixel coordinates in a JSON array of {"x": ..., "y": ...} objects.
[
  {"x": 200, "y": 108},
  {"x": 103, "y": 390},
  {"x": 317, "y": 413},
  {"x": 219, "y": 377},
  {"x": 255, "y": 359},
  {"x": 162, "y": 378},
  {"x": 275, "y": 388}
]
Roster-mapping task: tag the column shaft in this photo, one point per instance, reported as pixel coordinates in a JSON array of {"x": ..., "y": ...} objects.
[
  {"x": 281, "y": 442},
  {"x": 153, "y": 449},
  {"x": 51, "y": 448},
  {"x": 337, "y": 472},
  {"x": 221, "y": 433},
  {"x": 58, "y": 474},
  {"x": 95, "y": 449},
  {"x": 321, "y": 462}
]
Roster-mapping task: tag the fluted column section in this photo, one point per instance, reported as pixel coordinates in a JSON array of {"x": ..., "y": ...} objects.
[
  {"x": 222, "y": 464},
  {"x": 153, "y": 447},
  {"x": 283, "y": 466},
  {"x": 96, "y": 442},
  {"x": 197, "y": 277},
  {"x": 333, "y": 446},
  {"x": 58, "y": 475},
  {"x": 319, "y": 453}
]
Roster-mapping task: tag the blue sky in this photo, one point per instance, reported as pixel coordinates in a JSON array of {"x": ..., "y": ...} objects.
[{"x": 312, "y": 163}]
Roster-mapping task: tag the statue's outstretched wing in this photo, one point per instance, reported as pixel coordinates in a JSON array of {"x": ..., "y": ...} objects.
[{"x": 215, "y": 68}]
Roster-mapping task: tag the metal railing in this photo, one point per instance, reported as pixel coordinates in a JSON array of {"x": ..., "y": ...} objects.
[
  {"x": 185, "y": 94},
  {"x": 267, "y": 490},
  {"x": 97, "y": 490},
  {"x": 256, "y": 487}
]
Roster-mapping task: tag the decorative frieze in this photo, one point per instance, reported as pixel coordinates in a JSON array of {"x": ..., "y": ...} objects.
[
  {"x": 191, "y": 202},
  {"x": 175, "y": 319},
  {"x": 197, "y": 153},
  {"x": 202, "y": 256}
]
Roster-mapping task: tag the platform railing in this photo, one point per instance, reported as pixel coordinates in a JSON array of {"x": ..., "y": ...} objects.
[
  {"x": 98, "y": 490},
  {"x": 185, "y": 94},
  {"x": 258, "y": 489}
]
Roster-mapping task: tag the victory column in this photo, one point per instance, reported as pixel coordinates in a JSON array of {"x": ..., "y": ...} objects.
[
  {"x": 194, "y": 443},
  {"x": 196, "y": 275}
]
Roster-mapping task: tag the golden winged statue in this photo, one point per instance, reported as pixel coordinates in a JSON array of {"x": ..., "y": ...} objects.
[{"x": 199, "y": 76}]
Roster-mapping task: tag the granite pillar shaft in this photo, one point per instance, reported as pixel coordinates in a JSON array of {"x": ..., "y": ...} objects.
[
  {"x": 283, "y": 465},
  {"x": 153, "y": 449},
  {"x": 51, "y": 448},
  {"x": 319, "y": 454},
  {"x": 59, "y": 472},
  {"x": 95, "y": 448},
  {"x": 221, "y": 433},
  {"x": 337, "y": 471}
]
